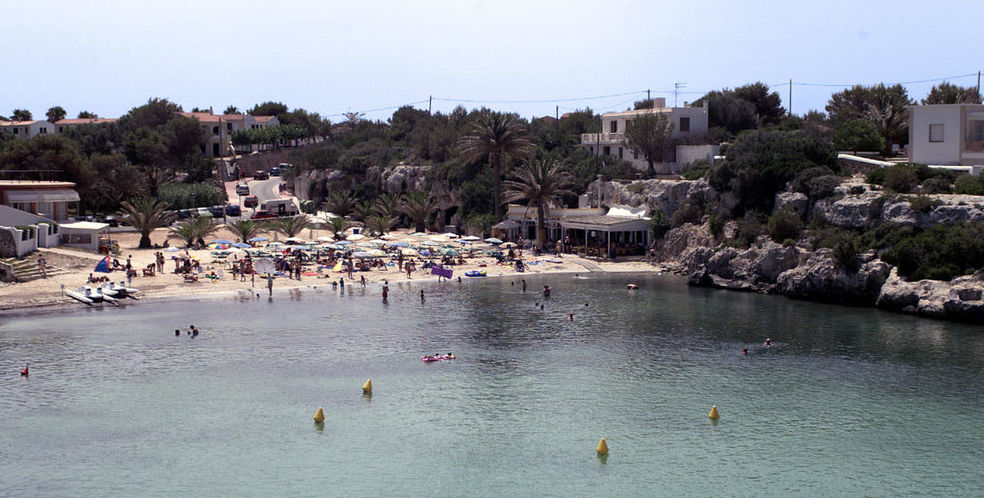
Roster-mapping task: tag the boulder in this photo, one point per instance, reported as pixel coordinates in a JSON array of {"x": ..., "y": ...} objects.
[
  {"x": 821, "y": 279},
  {"x": 673, "y": 245},
  {"x": 797, "y": 201},
  {"x": 958, "y": 299}
]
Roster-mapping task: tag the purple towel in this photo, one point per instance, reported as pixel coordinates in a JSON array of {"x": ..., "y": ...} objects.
[{"x": 442, "y": 272}]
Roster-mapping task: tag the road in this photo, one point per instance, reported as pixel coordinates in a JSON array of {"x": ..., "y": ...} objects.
[{"x": 264, "y": 190}]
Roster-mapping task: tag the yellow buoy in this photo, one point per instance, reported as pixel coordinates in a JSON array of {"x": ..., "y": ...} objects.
[
  {"x": 319, "y": 416},
  {"x": 602, "y": 448},
  {"x": 367, "y": 387},
  {"x": 714, "y": 413}
]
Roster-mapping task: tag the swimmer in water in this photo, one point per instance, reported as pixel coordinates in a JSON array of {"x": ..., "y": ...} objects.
[
  {"x": 768, "y": 342},
  {"x": 744, "y": 351},
  {"x": 570, "y": 317},
  {"x": 177, "y": 332}
]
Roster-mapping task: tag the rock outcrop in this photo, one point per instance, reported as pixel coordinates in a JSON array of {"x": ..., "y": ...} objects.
[
  {"x": 821, "y": 279},
  {"x": 870, "y": 208},
  {"x": 398, "y": 179},
  {"x": 684, "y": 237},
  {"x": 666, "y": 195},
  {"x": 959, "y": 299},
  {"x": 753, "y": 269}
]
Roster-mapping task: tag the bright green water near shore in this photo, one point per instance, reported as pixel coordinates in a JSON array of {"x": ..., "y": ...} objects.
[{"x": 850, "y": 401}]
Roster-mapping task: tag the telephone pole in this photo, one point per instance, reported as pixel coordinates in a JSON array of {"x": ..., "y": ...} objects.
[
  {"x": 430, "y": 100},
  {"x": 790, "y": 96},
  {"x": 648, "y": 97},
  {"x": 978, "y": 86},
  {"x": 676, "y": 89}
]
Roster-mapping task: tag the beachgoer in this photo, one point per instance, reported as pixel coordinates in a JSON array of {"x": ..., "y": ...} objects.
[
  {"x": 546, "y": 291},
  {"x": 270, "y": 285},
  {"x": 768, "y": 342},
  {"x": 363, "y": 277},
  {"x": 421, "y": 295},
  {"x": 341, "y": 282},
  {"x": 41, "y": 266},
  {"x": 570, "y": 317},
  {"x": 194, "y": 331},
  {"x": 524, "y": 285},
  {"x": 177, "y": 332},
  {"x": 744, "y": 351},
  {"x": 541, "y": 307},
  {"x": 459, "y": 279}
]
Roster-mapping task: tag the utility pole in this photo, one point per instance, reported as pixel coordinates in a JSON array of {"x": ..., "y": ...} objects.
[
  {"x": 430, "y": 100},
  {"x": 676, "y": 89},
  {"x": 790, "y": 96},
  {"x": 978, "y": 86},
  {"x": 648, "y": 97},
  {"x": 557, "y": 112}
]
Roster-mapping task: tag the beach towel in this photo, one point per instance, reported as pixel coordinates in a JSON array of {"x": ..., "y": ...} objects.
[
  {"x": 442, "y": 272},
  {"x": 338, "y": 266}
]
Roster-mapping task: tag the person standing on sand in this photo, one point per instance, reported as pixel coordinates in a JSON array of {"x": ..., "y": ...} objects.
[
  {"x": 42, "y": 266},
  {"x": 270, "y": 285}
]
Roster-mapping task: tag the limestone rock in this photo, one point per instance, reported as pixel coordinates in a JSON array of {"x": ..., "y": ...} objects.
[
  {"x": 958, "y": 299},
  {"x": 821, "y": 279}
]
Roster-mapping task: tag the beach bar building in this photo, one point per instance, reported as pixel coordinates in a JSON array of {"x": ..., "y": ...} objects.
[{"x": 620, "y": 232}]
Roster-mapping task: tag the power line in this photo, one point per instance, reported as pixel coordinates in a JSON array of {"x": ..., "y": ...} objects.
[
  {"x": 945, "y": 78},
  {"x": 543, "y": 101}
]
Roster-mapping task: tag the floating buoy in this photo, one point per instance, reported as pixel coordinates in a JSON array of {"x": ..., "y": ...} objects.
[
  {"x": 367, "y": 387},
  {"x": 714, "y": 413},
  {"x": 319, "y": 416},
  {"x": 25, "y": 371},
  {"x": 602, "y": 448}
]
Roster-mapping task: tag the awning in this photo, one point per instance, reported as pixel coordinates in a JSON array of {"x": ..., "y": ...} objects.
[
  {"x": 84, "y": 225},
  {"x": 42, "y": 195},
  {"x": 507, "y": 225}
]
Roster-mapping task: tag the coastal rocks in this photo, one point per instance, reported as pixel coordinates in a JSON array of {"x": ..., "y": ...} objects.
[
  {"x": 797, "y": 201},
  {"x": 754, "y": 269},
  {"x": 849, "y": 211},
  {"x": 679, "y": 239},
  {"x": 846, "y": 210},
  {"x": 958, "y": 299},
  {"x": 665, "y": 195},
  {"x": 821, "y": 279}
]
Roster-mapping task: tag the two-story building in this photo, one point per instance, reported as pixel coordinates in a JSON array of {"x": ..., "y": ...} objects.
[
  {"x": 947, "y": 135},
  {"x": 27, "y": 129},
  {"x": 221, "y": 127},
  {"x": 686, "y": 121}
]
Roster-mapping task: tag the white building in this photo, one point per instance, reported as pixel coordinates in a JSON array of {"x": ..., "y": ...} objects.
[
  {"x": 947, "y": 135},
  {"x": 27, "y": 129},
  {"x": 62, "y": 125},
  {"x": 221, "y": 127},
  {"x": 686, "y": 121}
]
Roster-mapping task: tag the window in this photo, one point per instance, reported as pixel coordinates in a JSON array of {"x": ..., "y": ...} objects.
[
  {"x": 620, "y": 154},
  {"x": 229, "y": 126},
  {"x": 43, "y": 130},
  {"x": 215, "y": 130},
  {"x": 936, "y": 132},
  {"x": 607, "y": 150},
  {"x": 613, "y": 127},
  {"x": 16, "y": 129},
  {"x": 684, "y": 124},
  {"x": 635, "y": 154}
]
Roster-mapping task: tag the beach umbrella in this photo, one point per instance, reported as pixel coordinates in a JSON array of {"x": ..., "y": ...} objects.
[
  {"x": 425, "y": 252},
  {"x": 418, "y": 234},
  {"x": 493, "y": 240},
  {"x": 218, "y": 246},
  {"x": 408, "y": 252},
  {"x": 325, "y": 239},
  {"x": 450, "y": 235},
  {"x": 222, "y": 241},
  {"x": 355, "y": 236},
  {"x": 463, "y": 242},
  {"x": 376, "y": 253},
  {"x": 258, "y": 239},
  {"x": 343, "y": 242},
  {"x": 361, "y": 255},
  {"x": 471, "y": 238},
  {"x": 242, "y": 245},
  {"x": 429, "y": 243},
  {"x": 450, "y": 252},
  {"x": 387, "y": 237},
  {"x": 172, "y": 249},
  {"x": 377, "y": 241},
  {"x": 509, "y": 245}
]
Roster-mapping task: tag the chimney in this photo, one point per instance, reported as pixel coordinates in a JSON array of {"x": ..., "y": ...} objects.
[{"x": 659, "y": 103}]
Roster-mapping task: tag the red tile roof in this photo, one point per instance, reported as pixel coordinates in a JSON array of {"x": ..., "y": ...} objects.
[{"x": 78, "y": 121}]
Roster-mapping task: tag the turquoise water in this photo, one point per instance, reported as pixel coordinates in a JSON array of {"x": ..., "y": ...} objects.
[{"x": 849, "y": 402}]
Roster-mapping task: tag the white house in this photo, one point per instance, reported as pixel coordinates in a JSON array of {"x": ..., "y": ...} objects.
[
  {"x": 27, "y": 129},
  {"x": 947, "y": 135},
  {"x": 686, "y": 121},
  {"x": 62, "y": 125},
  {"x": 220, "y": 128}
]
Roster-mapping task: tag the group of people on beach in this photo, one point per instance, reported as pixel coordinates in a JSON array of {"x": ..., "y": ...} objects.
[{"x": 192, "y": 332}]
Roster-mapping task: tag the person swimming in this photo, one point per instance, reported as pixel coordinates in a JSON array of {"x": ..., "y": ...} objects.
[
  {"x": 570, "y": 317},
  {"x": 177, "y": 332},
  {"x": 744, "y": 351},
  {"x": 768, "y": 342}
]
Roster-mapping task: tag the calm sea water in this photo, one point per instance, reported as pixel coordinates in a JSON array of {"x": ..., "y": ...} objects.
[{"x": 849, "y": 402}]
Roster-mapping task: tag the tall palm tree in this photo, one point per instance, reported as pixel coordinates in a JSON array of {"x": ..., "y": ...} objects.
[
  {"x": 363, "y": 210},
  {"x": 379, "y": 224},
  {"x": 339, "y": 202},
  {"x": 245, "y": 229},
  {"x": 387, "y": 205},
  {"x": 483, "y": 223},
  {"x": 498, "y": 137},
  {"x": 539, "y": 183},
  {"x": 291, "y": 226},
  {"x": 418, "y": 206},
  {"x": 194, "y": 229},
  {"x": 145, "y": 214}
]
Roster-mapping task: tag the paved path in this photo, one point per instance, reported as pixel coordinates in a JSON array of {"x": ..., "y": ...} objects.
[{"x": 74, "y": 253}]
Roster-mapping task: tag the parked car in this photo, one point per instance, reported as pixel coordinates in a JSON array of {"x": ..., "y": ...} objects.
[
  {"x": 279, "y": 169},
  {"x": 233, "y": 210},
  {"x": 203, "y": 211},
  {"x": 251, "y": 201},
  {"x": 216, "y": 211},
  {"x": 260, "y": 215},
  {"x": 242, "y": 189},
  {"x": 112, "y": 220},
  {"x": 261, "y": 175}
]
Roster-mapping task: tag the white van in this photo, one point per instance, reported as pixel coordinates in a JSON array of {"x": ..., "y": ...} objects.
[{"x": 281, "y": 207}]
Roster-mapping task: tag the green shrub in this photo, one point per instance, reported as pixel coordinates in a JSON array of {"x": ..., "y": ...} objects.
[
  {"x": 659, "y": 223},
  {"x": 937, "y": 185},
  {"x": 939, "y": 253},
  {"x": 886, "y": 235},
  {"x": 636, "y": 187},
  {"x": 857, "y": 189},
  {"x": 801, "y": 182},
  {"x": 876, "y": 176},
  {"x": 969, "y": 185},
  {"x": 858, "y": 135},
  {"x": 823, "y": 187},
  {"x": 688, "y": 212},
  {"x": 845, "y": 250},
  {"x": 922, "y": 203},
  {"x": 901, "y": 179},
  {"x": 696, "y": 170},
  {"x": 784, "y": 224},
  {"x": 716, "y": 222},
  {"x": 749, "y": 228},
  {"x": 179, "y": 195}
]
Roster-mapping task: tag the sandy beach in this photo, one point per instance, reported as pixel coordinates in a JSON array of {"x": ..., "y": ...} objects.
[{"x": 75, "y": 266}]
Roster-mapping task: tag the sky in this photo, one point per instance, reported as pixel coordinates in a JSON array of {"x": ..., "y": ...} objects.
[{"x": 529, "y": 57}]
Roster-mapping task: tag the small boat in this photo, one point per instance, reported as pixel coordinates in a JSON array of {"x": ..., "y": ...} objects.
[
  {"x": 82, "y": 294},
  {"x": 436, "y": 357},
  {"x": 476, "y": 273},
  {"x": 122, "y": 290},
  {"x": 104, "y": 297}
]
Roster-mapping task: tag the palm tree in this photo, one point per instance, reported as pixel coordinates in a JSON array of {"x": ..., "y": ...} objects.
[
  {"x": 145, "y": 214},
  {"x": 194, "y": 229},
  {"x": 483, "y": 223},
  {"x": 387, "y": 205},
  {"x": 418, "y": 206},
  {"x": 291, "y": 226},
  {"x": 498, "y": 137},
  {"x": 339, "y": 202},
  {"x": 379, "y": 224},
  {"x": 363, "y": 210},
  {"x": 338, "y": 226},
  {"x": 245, "y": 229},
  {"x": 539, "y": 183}
]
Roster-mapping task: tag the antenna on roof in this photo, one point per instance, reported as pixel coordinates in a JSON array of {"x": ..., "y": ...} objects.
[{"x": 676, "y": 89}]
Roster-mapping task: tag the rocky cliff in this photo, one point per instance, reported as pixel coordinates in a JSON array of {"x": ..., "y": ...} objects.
[{"x": 959, "y": 299}]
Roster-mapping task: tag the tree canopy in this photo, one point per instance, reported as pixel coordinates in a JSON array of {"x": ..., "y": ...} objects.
[{"x": 948, "y": 93}]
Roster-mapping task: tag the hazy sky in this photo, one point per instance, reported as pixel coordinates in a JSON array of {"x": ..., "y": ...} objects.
[{"x": 332, "y": 57}]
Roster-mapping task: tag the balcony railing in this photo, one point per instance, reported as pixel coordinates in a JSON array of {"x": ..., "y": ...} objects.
[{"x": 604, "y": 138}]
